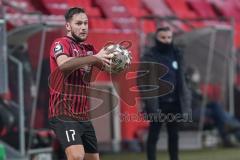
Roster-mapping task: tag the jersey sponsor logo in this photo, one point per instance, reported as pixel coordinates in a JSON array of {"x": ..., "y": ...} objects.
[
  {"x": 58, "y": 49},
  {"x": 75, "y": 52}
]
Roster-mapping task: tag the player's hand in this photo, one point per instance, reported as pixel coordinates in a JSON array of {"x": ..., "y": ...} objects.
[{"x": 104, "y": 57}]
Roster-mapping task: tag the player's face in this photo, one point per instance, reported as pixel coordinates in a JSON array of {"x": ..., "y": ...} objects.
[
  {"x": 78, "y": 26},
  {"x": 165, "y": 36}
]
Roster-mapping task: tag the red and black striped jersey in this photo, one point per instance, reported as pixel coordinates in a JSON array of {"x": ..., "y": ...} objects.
[{"x": 69, "y": 92}]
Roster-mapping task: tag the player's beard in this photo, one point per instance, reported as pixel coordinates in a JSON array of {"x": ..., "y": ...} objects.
[{"x": 77, "y": 38}]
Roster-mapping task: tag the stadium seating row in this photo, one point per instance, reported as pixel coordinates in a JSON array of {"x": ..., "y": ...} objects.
[{"x": 105, "y": 14}]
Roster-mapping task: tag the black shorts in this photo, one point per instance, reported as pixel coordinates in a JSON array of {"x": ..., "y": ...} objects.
[{"x": 70, "y": 132}]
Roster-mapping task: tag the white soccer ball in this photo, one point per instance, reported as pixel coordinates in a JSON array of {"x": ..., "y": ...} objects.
[{"x": 121, "y": 58}]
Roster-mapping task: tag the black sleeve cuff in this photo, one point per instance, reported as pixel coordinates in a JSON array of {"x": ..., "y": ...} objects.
[{"x": 56, "y": 56}]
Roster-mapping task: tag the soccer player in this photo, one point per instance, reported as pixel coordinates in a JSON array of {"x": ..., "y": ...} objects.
[{"x": 71, "y": 62}]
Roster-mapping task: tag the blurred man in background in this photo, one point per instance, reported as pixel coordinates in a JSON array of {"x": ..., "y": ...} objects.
[
  {"x": 214, "y": 113},
  {"x": 177, "y": 101}
]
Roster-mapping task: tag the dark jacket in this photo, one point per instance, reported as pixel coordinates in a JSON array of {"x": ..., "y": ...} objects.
[{"x": 151, "y": 103}]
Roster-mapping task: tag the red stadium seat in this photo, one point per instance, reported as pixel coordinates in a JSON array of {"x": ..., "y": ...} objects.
[
  {"x": 236, "y": 3},
  {"x": 87, "y": 5},
  {"x": 55, "y": 7},
  {"x": 81, "y": 3},
  {"x": 99, "y": 23},
  {"x": 16, "y": 9},
  {"x": 135, "y": 7},
  {"x": 228, "y": 8},
  {"x": 59, "y": 7},
  {"x": 203, "y": 9},
  {"x": 93, "y": 12},
  {"x": 181, "y": 9},
  {"x": 24, "y": 6},
  {"x": 113, "y": 9},
  {"x": 158, "y": 7},
  {"x": 119, "y": 14},
  {"x": 149, "y": 26},
  {"x": 212, "y": 91},
  {"x": 132, "y": 3}
]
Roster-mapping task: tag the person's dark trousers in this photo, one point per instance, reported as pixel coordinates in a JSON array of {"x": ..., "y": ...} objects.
[{"x": 153, "y": 135}]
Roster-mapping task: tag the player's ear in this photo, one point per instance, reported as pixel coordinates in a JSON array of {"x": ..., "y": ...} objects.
[{"x": 68, "y": 27}]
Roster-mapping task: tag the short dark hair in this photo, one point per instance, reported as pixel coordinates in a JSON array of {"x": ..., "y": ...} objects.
[
  {"x": 163, "y": 29},
  {"x": 70, "y": 12}
]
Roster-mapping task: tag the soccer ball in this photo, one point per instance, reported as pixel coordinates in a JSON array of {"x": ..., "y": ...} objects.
[{"x": 121, "y": 58}]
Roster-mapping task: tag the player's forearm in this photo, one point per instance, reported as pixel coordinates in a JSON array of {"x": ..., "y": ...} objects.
[{"x": 72, "y": 64}]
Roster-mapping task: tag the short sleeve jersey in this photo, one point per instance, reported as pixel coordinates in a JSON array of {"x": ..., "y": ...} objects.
[{"x": 69, "y": 92}]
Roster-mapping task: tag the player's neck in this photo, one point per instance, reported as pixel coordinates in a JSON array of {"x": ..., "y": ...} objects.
[{"x": 71, "y": 38}]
